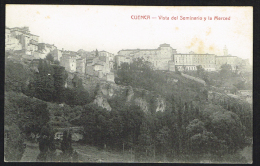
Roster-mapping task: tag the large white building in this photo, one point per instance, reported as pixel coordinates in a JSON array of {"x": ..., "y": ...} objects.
[
  {"x": 191, "y": 61},
  {"x": 159, "y": 57}
]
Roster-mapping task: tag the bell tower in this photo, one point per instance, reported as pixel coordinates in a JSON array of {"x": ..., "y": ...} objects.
[{"x": 225, "y": 50}]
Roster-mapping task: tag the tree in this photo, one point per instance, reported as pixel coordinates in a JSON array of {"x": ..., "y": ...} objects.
[
  {"x": 144, "y": 142},
  {"x": 16, "y": 76},
  {"x": 28, "y": 113},
  {"x": 59, "y": 76},
  {"x": 34, "y": 115},
  {"x": 225, "y": 71},
  {"x": 44, "y": 82},
  {"x": 44, "y": 142},
  {"x": 177, "y": 70},
  {"x": 227, "y": 126},
  {"x": 240, "y": 85},
  {"x": 77, "y": 82},
  {"x": 163, "y": 140},
  {"x": 196, "y": 126},
  {"x": 56, "y": 62},
  {"x": 200, "y": 71},
  {"x": 203, "y": 143},
  {"x": 66, "y": 143},
  {"x": 76, "y": 96},
  {"x": 13, "y": 143},
  {"x": 49, "y": 57}
]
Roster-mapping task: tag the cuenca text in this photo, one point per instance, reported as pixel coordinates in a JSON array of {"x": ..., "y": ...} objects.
[{"x": 140, "y": 17}]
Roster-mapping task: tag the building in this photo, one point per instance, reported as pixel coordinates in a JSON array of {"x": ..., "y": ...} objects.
[
  {"x": 57, "y": 54},
  {"x": 119, "y": 59},
  {"x": 81, "y": 65},
  {"x": 97, "y": 66},
  {"x": 11, "y": 43},
  {"x": 171, "y": 66},
  {"x": 191, "y": 61},
  {"x": 110, "y": 77},
  {"x": 47, "y": 48},
  {"x": 159, "y": 57},
  {"x": 228, "y": 59},
  {"x": 69, "y": 62},
  {"x": 234, "y": 61},
  {"x": 28, "y": 41},
  {"x": 110, "y": 56}
]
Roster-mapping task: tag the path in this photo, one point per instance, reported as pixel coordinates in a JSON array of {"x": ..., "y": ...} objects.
[
  {"x": 247, "y": 152},
  {"x": 31, "y": 152}
]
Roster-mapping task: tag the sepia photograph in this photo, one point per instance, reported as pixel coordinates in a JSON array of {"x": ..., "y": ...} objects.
[{"x": 128, "y": 84}]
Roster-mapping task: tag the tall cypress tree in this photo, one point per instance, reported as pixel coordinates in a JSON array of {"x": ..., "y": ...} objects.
[
  {"x": 60, "y": 77},
  {"x": 44, "y": 82}
]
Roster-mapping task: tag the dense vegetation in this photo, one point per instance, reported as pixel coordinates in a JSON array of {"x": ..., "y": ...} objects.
[
  {"x": 46, "y": 84},
  {"x": 225, "y": 77},
  {"x": 190, "y": 129},
  {"x": 140, "y": 74}
]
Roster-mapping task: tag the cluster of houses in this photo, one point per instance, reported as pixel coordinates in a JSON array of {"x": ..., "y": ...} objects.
[
  {"x": 101, "y": 63},
  {"x": 94, "y": 63}
]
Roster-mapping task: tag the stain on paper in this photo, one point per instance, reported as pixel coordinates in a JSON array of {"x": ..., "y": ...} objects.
[{"x": 208, "y": 31}]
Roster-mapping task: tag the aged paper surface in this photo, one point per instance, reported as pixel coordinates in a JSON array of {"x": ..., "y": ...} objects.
[{"x": 128, "y": 84}]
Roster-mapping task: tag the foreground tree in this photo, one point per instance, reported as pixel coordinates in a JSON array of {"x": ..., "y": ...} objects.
[
  {"x": 16, "y": 76},
  {"x": 14, "y": 143}
]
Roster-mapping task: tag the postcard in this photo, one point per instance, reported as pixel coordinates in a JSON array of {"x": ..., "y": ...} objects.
[{"x": 128, "y": 84}]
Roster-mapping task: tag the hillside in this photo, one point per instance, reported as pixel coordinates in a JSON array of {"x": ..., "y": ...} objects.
[{"x": 155, "y": 113}]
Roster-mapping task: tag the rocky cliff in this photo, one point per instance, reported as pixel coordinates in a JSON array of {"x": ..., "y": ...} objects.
[
  {"x": 102, "y": 91},
  {"x": 146, "y": 100}
]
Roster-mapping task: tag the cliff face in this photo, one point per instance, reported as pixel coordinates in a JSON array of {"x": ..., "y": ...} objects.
[
  {"x": 146, "y": 100},
  {"x": 103, "y": 91},
  {"x": 102, "y": 102}
]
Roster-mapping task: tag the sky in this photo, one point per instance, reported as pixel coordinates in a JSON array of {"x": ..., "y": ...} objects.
[{"x": 111, "y": 28}]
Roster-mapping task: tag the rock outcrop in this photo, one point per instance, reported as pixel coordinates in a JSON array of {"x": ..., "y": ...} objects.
[
  {"x": 142, "y": 104},
  {"x": 160, "y": 104},
  {"x": 130, "y": 94},
  {"x": 102, "y": 91},
  {"x": 102, "y": 102}
]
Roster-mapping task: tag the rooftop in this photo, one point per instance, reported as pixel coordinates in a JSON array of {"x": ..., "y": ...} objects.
[
  {"x": 192, "y": 54},
  {"x": 226, "y": 56},
  {"x": 164, "y": 45},
  {"x": 161, "y": 45}
]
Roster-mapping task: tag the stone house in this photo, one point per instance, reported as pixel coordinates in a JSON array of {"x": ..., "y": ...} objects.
[
  {"x": 97, "y": 66},
  {"x": 69, "y": 62},
  {"x": 11, "y": 43},
  {"x": 81, "y": 65},
  {"x": 57, "y": 54},
  {"x": 28, "y": 41},
  {"x": 110, "y": 56}
]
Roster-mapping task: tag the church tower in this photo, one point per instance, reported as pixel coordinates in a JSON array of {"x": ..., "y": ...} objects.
[{"x": 225, "y": 50}]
